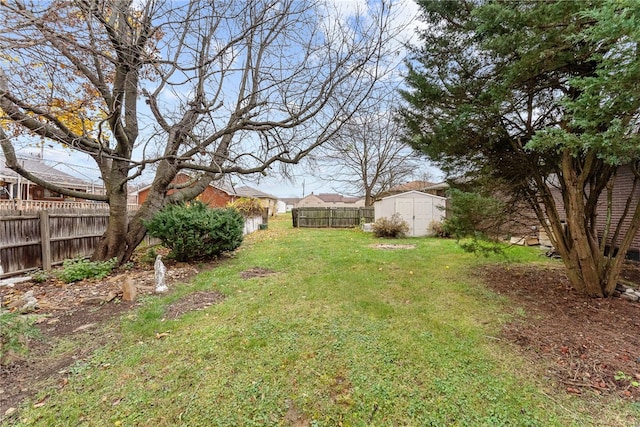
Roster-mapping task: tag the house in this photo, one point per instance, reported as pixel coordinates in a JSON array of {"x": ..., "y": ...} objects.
[
  {"x": 329, "y": 200},
  {"x": 217, "y": 193},
  {"x": 290, "y": 202},
  {"x": 437, "y": 189},
  {"x": 281, "y": 206},
  {"x": 266, "y": 200},
  {"x": 623, "y": 187},
  {"x": 418, "y": 209},
  {"x": 14, "y": 186}
]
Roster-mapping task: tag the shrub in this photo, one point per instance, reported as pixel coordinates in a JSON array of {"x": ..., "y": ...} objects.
[
  {"x": 15, "y": 332},
  {"x": 195, "y": 231},
  {"x": 247, "y": 206},
  {"x": 437, "y": 229},
  {"x": 393, "y": 227},
  {"x": 473, "y": 214},
  {"x": 39, "y": 276},
  {"x": 475, "y": 221},
  {"x": 78, "y": 269}
]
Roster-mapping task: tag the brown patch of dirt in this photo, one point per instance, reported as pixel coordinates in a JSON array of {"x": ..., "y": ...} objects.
[
  {"x": 77, "y": 312},
  {"x": 256, "y": 272},
  {"x": 390, "y": 246},
  {"x": 586, "y": 344},
  {"x": 294, "y": 417},
  {"x": 193, "y": 302}
]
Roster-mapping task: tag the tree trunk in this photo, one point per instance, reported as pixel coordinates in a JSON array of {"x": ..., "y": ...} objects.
[
  {"x": 156, "y": 200},
  {"x": 136, "y": 231},
  {"x": 584, "y": 256},
  {"x": 113, "y": 241}
]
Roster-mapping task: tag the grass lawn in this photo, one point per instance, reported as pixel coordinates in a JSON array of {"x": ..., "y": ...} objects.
[{"x": 342, "y": 333}]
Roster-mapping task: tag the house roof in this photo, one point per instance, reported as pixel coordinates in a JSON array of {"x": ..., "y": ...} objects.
[
  {"x": 413, "y": 193},
  {"x": 42, "y": 170},
  {"x": 438, "y": 186},
  {"x": 335, "y": 198},
  {"x": 252, "y": 192},
  {"x": 290, "y": 200},
  {"x": 411, "y": 185},
  {"x": 222, "y": 185}
]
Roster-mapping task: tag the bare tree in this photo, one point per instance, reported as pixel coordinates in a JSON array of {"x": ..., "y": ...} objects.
[
  {"x": 214, "y": 87},
  {"x": 367, "y": 156}
]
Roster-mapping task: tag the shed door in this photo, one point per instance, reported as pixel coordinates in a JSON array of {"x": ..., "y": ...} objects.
[
  {"x": 404, "y": 207},
  {"x": 422, "y": 215}
]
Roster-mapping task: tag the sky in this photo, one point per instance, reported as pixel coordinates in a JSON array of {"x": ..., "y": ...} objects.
[{"x": 301, "y": 183}]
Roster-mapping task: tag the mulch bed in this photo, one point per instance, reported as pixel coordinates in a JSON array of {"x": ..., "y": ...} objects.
[{"x": 589, "y": 345}]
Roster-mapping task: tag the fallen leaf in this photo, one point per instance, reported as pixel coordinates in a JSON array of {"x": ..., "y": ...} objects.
[
  {"x": 40, "y": 403},
  {"x": 162, "y": 335}
]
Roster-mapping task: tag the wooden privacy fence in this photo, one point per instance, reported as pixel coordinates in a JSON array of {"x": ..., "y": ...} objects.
[
  {"x": 331, "y": 217},
  {"x": 40, "y": 239}
]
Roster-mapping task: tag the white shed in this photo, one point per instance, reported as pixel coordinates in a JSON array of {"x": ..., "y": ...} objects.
[{"x": 415, "y": 207}]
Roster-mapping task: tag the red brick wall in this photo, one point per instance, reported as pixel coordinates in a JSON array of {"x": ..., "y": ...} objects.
[
  {"x": 215, "y": 197},
  {"x": 212, "y": 196}
]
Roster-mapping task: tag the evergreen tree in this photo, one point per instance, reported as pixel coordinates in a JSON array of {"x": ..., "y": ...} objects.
[{"x": 540, "y": 98}]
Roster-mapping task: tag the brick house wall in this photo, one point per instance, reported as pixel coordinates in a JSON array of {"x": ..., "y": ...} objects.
[
  {"x": 623, "y": 186},
  {"x": 212, "y": 196}
]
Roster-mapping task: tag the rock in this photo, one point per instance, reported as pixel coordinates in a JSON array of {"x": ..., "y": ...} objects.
[
  {"x": 128, "y": 290},
  {"x": 621, "y": 288},
  {"x": 629, "y": 296},
  {"x": 10, "y": 412},
  {"x": 93, "y": 301},
  {"x": 26, "y": 303},
  {"x": 160, "y": 271}
]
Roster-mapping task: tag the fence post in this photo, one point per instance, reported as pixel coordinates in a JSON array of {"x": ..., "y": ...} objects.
[{"x": 45, "y": 239}]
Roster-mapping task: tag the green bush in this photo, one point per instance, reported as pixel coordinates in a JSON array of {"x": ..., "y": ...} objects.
[
  {"x": 393, "y": 227},
  {"x": 39, "y": 276},
  {"x": 475, "y": 221},
  {"x": 473, "y": 214},
  {"x": 78, "y": 269},
  {"x": 195, "y": 231},
  {"x": 15, "y": 332}
]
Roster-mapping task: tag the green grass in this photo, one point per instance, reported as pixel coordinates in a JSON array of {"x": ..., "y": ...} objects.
[{"x": 342, "y": 334}]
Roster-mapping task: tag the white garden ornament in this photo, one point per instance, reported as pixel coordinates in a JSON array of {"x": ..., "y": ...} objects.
[{"x": 160, "y": 271}]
